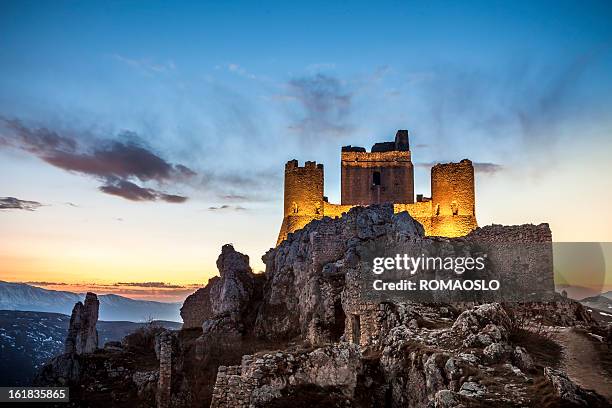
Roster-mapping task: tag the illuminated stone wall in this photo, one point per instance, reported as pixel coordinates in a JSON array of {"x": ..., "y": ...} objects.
[
  {"x": 451, "y": 211},
  {"x": 303, "y": 196},
  {"x": 396, "y": 178},
  {"x": 453, "y": 200}
]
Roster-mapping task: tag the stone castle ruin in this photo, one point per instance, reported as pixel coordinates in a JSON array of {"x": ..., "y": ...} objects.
[
  {"x": 303, "y": 334},
  {"x": 385, "y": 175}
]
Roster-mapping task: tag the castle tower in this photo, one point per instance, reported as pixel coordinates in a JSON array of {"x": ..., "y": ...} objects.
[
  {"x": 384, "y": 175},
  {"x": 303, "y": 196},
  {"x": 453, "y": 199}
]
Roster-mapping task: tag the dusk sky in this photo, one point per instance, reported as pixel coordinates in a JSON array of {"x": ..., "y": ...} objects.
[{"x": 139, "y": 137}]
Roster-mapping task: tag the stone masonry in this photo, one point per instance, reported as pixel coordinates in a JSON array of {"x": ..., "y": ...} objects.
[
  {"x": 164, "y": 387},
  {"x": 261, "y": 379},
  {"x": 385, "y": 175}
]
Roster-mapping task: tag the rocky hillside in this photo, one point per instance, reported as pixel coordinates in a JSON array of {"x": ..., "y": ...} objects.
[
  {"x": 29, "y": 339},
  {"x": 302, "y": 335}
]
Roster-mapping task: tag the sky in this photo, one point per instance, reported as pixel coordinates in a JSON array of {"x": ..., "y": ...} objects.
[{"x": 136, "y": 138}]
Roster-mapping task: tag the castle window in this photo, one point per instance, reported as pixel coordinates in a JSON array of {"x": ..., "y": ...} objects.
[
  {"x": 376, "y": 178},
  {"x": 454, "y": 208},
  {"x": 295, "y": 208}
]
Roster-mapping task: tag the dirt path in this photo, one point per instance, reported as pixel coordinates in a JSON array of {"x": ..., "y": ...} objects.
[{"x": 582, "y": 362}]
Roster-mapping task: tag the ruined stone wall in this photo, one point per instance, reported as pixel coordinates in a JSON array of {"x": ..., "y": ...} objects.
[
  {"x": 231, "y": 389},
  {"x": 335, "y": 210},
  {"x": 164, "y": 387},
  {"x": 259, "y": 380},
  {"x": 521, "y": 251},
  {"x": 303, "y": 201},
  {"x": 420, "y": 211},
  {"x": 396, "y": 178}
]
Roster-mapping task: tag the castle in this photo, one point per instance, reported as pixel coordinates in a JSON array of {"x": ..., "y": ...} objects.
[{"x": 383, "y": 175}]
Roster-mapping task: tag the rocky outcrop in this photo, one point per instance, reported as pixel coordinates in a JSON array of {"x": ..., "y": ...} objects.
[
  {"x": 570, "y": 393},
  {"x": 82, "y": 333},
  {"x": 225, "y": 301},
  {"x": 306, "y": 274},
  {"x": 197, "y": 307},
  {"x": 326, "y": 344}
]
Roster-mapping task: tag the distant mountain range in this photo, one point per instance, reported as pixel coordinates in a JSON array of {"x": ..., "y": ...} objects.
[
  {"x": 21, "y": 296},
  {"x": 29, "y": 339}
]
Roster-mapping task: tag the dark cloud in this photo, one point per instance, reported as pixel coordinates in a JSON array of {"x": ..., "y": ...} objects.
[
  {"x": 133, "y": 192},
  {"x": 234, "y": 197},
  {"x": 226, "y": 207},
  {"x": 325, "y": 104},
  {"x": 119, "y": 164},
  {"x": 12, "y": 203},
  {"x": 252, "y": 186},
  {"x": 45, "y": 283},
  {"x": 480, "y": 167},
  {"x": 487, "y": 167}
]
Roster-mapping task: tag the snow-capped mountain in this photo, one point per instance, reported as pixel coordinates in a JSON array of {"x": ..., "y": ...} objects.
[{"x": 21, "y": 296}]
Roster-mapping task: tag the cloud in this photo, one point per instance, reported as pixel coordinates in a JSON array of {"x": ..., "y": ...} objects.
[
  {"x": 117, "y": 163},
  {"x": 325, "y": 104},
  {"x": 45, "y": 283},
  {"x": 146, "y": 65},
  {"x": 133, "y": 192},
  {"x": 150, "y": 285},
  {"x": 12, "y": 203},
  {"x": 239, "y": 70},
  {"x": 487, "y": 167},
  {"x": 158, "y": 291},
  {"x": 234, "y": 197},
  {"x": 226, "y": 207},
  {"x": 527, "y": 107},
  {"x": 238, "y": 186}
]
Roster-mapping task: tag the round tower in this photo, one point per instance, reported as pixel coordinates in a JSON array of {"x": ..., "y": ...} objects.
[
  {"x": 453, "y": 202},
  {"x": 303, "y": 196}
]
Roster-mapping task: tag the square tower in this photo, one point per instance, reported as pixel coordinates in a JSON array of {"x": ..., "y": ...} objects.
[{"x": 384, "y": 175}]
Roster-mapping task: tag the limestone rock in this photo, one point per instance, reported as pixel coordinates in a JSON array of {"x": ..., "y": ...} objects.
[
  {"x": 226, "y": 295},
  {"x": 497, "y": 352},
  {"x": 564, "y": 387},
  {"x": 447, "y": 399},
  {"x": 197, "y": 307},
  {"x": 472, "y": 389},
  {"x": 474, "y": 320},
  {"x": 522, "y": 359},
  {"x": 236, "y": 285},
  {"x": 82, "y": 334}
]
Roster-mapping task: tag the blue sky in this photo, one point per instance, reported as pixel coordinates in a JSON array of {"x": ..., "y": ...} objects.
[{"x": 232, "y": 90}]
